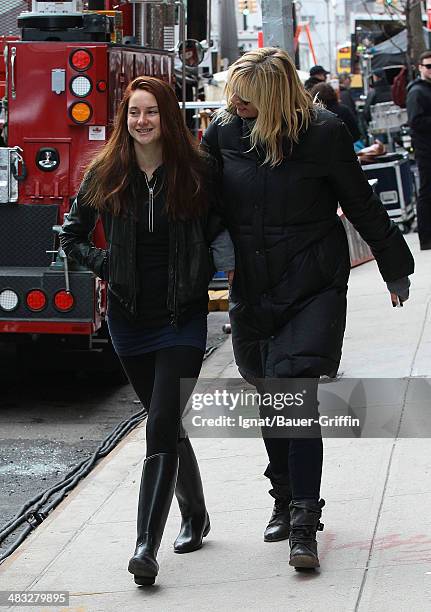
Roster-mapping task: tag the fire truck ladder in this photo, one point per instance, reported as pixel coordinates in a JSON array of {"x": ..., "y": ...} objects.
[{"x": 306, "y": 27}]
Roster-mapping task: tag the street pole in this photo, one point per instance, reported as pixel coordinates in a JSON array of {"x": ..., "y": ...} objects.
[
  {"x": 228, "y": 35},
  {"x": 328, "y": 23},
  {"x": 197, "y": 19},
  {"x": 277, "y": 19}
]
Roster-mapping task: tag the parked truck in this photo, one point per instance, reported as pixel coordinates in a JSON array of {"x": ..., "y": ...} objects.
[{"x": 63, "y": 80}]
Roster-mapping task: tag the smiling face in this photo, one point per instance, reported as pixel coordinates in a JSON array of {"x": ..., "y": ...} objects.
[
  {"x": 244, "y": 109},
  {"x": 143, "y": 118}
]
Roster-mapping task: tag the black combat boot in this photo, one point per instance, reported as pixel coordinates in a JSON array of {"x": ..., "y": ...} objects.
[
  {"x": 159, "y": 476},
  {"x": 304, "y": 523},
  {"x": 278, "y": 527},
  {"x": 195, "y": 523}
]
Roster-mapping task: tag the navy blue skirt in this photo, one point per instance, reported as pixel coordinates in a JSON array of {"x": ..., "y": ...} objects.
[{"x": 130, "y": 339}]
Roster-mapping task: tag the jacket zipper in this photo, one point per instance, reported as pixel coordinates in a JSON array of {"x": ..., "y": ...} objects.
[
  {"x": 133, "y": 264},
  {"x": 150, "y": 203},
  {"x": 174, "y": 318}
]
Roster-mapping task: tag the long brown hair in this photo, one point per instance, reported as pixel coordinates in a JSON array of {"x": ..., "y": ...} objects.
[{"x": 111, "y": 174}]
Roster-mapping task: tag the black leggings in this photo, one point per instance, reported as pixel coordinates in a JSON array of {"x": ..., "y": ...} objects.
[{"x": 156, "y": 378}]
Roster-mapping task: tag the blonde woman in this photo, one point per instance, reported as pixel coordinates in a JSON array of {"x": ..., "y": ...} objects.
[{"x": 286, "y": 164}]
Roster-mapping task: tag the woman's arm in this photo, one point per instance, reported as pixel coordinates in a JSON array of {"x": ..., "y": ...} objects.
[
  {"x": 365, "y": 211},
  {"x": 75, "y": 236},
  {"x": 223, "y": 253},
  {"x": 209, "y": 144},
  {"x": 221, "y": 244}
]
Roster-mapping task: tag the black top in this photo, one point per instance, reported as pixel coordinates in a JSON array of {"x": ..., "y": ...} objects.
[
  {"x": 419, "y": 113},
  {"x": 152, "y": 257}
]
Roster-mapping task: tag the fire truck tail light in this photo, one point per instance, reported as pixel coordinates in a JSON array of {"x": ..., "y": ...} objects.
[
  {"x": 81, "y": 112},
  {"x": 36, "y": 300},
  {"x": 8, "y": 300},
  {"x": 81, "y": 60},
  {"x": 81, "y": 86},
  {"x": 64, "y": 301},
  {"x": 102, "y": 86}
]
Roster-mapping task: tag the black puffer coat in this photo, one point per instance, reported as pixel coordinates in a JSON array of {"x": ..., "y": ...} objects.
[{"x": 292, "y": 261}]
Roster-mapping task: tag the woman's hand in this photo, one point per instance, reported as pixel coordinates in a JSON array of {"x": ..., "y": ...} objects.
[
  {"x": 397, "y": 300},
  {"x": 399, "y": 290},
  {"x": 230, "y": 275}
]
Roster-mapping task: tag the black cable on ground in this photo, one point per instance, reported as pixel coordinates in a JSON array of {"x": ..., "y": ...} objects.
[{"x": 34, "y": 511}]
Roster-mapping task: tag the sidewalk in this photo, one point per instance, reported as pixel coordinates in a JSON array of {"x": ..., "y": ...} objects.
[{"x": 375, "y": 550}]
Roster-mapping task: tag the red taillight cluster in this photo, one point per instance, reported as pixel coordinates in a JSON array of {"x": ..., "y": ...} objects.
[
  {"x": 87, "y": 88},
  {"x": 36, "y": 300},
  {"x": 81, "y": 86}
]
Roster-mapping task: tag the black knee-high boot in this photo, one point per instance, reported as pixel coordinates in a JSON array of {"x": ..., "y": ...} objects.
[
  {"x": 158, "y": 480},
  {"x": 195, "y": 523}
]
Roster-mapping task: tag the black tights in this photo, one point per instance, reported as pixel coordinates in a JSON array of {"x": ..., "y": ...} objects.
[{"x": 156, "y": 378}]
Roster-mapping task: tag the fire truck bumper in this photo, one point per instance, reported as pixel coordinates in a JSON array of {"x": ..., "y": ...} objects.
[{"x": 35, "y": 301}]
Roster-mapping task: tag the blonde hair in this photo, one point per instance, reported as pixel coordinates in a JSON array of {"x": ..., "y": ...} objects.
[{"x": 268, "y": 79}]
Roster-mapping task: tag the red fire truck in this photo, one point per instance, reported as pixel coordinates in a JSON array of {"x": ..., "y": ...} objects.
[{"x": 63, "y": 81}]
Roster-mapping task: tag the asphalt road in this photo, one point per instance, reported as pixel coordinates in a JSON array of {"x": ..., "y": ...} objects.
[{"x": 51, "y": 422}]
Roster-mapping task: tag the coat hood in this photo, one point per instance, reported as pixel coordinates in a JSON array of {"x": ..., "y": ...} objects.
[{"x": 418, "y": 82}]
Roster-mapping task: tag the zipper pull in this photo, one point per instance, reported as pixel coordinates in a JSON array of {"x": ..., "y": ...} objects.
[{"x": 151, "y": 210}]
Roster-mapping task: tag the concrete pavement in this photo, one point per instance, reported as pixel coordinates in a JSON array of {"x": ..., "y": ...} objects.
[{"x": 375, "y": 550}]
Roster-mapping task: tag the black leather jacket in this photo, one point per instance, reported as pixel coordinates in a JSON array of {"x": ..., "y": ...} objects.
[{"x": 190, "y": 259}]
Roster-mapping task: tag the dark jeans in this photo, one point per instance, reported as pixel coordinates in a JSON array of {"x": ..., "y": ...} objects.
[
  {"x": 424, "y": 201},
  {"x": 156, "y": 378},
  {"x": 295, "y": 461}
]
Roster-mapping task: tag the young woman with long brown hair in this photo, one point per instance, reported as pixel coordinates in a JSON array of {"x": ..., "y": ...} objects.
[{"x": 154, "y": 192}]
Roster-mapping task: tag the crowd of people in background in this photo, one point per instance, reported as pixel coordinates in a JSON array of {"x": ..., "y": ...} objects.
[
  {"x": 336, "y": 96},
  {"x": 327, "y": 95},
  {"x": 338, "y": 100}
]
